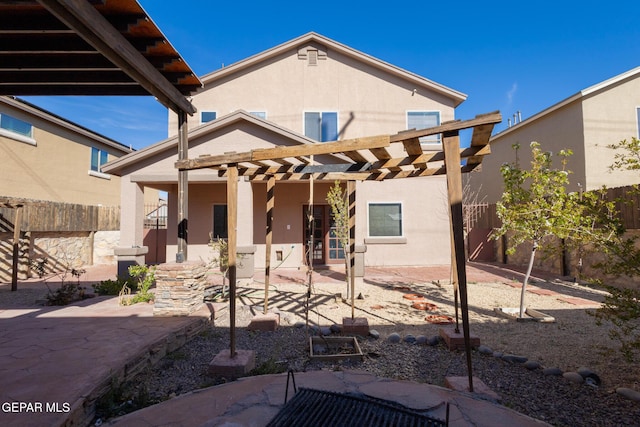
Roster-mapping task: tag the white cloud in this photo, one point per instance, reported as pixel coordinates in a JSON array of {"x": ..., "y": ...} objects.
[{"x": 512, "y": 93}]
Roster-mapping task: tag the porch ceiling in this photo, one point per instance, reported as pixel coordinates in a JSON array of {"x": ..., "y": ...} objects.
[
  {"x": 92, "y": 47},
  {"x": 365, "y": 158}
]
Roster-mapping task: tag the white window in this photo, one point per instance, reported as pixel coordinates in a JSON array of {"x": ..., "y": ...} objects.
[
  {"x": 98, "y": 158},
  {"x": 321, "y": 126},
  {"x": 16, "y": 129},
  {"x": 385, "y": 220},
  {"x": 207, "y": 116},
  {"x": 638, "y": 120},
  {"x": 423, "y": 120}
]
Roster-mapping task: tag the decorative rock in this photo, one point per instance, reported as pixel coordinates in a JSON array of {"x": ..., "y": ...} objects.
[
  {"x": 374, "y": 334},
  {"x": 319, "y": 349},
  {"x": 629, "y": 393},
  {"x": 394, "y": 338},
  {"x": 485, "y": 350},
  {"x": 531, "y": 365},
  {"x": 590, "y": 377},
  {"x": 325, "y": 330},
  {"x": 314, "y": 330},
  {"x": 497, "y": 354},
  {"x": 421, "y": 340},
  {"x": 434, "y": 340},
  {"x": 574, "y": 377},
  {"x": 552, "y": 371},
  {"x": 299, "y": 324},
  {"x": 410, "y": 339},
  {"x": 514, "y": 359},
  {"x": 336, "y": 329}
]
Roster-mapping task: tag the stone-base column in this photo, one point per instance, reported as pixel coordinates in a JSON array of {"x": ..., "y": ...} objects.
[{"x": 179, "y": 288}]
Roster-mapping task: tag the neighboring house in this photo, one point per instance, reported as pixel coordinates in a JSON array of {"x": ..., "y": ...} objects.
[
  {"x": 586, "y": 123},
  {"x": 305, "y": 91},
  {"x": 53, "y": 167},
  {"x": 46, "y": 157}
]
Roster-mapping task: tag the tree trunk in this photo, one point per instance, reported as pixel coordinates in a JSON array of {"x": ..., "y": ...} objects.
[{"x": 526, "y": 277}]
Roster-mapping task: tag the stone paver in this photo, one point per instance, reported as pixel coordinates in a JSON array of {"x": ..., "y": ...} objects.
[{"x": 55, "y": 361}]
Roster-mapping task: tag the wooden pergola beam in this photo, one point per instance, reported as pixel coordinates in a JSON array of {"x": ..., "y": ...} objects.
[{"x": 284, "y": 152}]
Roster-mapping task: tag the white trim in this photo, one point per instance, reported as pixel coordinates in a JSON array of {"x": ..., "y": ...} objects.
[
  {"x": 380, "y": 239},
  {"x": 18, "y": 137},
  {"x": 99, "y": 174}
]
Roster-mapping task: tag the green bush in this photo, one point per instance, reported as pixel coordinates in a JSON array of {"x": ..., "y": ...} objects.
[{"x": 113, "y": 287}]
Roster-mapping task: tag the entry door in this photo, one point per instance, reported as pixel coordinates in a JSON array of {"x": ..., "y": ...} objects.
[
  {"x": 319, "y": 233},
  {"x": 326, "y": 246}
]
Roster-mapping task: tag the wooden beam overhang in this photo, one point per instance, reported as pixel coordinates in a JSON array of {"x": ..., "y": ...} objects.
[
  {"x": 94, "y": 28},
  {"x": 416, "y": 163}
]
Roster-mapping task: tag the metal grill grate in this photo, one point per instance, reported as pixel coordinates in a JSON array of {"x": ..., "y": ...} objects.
[{"x": 324, "y": 408}]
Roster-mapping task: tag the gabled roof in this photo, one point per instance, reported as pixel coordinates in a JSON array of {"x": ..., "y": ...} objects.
[
  {"x": 29, "y": 108},
  {"x": 599, "y": 87},
  {"x": 117, "y": 165},
  {"x": 312, "y": 37}
]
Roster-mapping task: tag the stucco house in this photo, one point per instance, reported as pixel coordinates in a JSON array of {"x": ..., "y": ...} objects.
[
  {"x": 46, "y": 157},
  {"x": 586, "y": 123},
  {"x": 306, "y": 91}
]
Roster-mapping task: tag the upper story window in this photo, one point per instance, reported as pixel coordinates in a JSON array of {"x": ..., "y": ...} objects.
[
  {"x": 260, "y": 114},
  {"x": 321, "y": 126},
  {"x": 638, "y": 120},
  {"x": 98, "y": 158},
  {"x": 207, "y": 116},
  {"x": 16, "y": 129},
  {"x": 422, "y": 120}
]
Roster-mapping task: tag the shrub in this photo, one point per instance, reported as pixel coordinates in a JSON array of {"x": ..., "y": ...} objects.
[{"x": 113, "y": 287}]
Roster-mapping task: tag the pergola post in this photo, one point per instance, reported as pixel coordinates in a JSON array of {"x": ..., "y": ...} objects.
[
  {"x": 451, "y": 146},
  {"x": 17, "y": 221},
  {"x": 183, "y": 189},
  {"x": 351, "y": 192},
  {"x": 271, "y": 182},
  {"x": 232, "y": 247}
]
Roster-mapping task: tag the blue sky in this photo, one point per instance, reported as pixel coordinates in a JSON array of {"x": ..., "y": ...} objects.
[{"x": 507, "y": 56}]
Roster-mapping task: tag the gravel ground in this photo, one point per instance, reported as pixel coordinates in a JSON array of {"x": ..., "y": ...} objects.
[{"x": 573, "y": 341}]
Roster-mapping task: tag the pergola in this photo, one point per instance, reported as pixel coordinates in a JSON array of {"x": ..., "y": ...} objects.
[
  {"x": 95, "y": 47},
  {"x": 362, "y": 159}
]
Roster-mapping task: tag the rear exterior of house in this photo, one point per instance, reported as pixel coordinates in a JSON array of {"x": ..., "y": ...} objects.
[{"x": 305, "y": 91}]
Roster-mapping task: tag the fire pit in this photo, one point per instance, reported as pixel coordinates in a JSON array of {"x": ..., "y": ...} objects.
[{"x": 332, "y": 349}]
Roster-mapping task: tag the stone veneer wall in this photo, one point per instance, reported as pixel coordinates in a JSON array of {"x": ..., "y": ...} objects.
[
  {"x": 179, "y": 288},
  {"x": 104, "y": 244},
  {"x": 62, "y": 249}
]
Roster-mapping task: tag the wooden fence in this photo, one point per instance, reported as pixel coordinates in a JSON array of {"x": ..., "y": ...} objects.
[{"x": 54, "y": 216}]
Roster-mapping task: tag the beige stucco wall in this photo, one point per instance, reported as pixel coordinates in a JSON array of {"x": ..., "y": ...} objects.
[
  {"x": 56, "y": 167},
  {"x": 560, "y": 130},
  {"x": 585, "y": 123},
  {"x": 610, "y": 116},
  {"x": 368, "y": 101}
]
